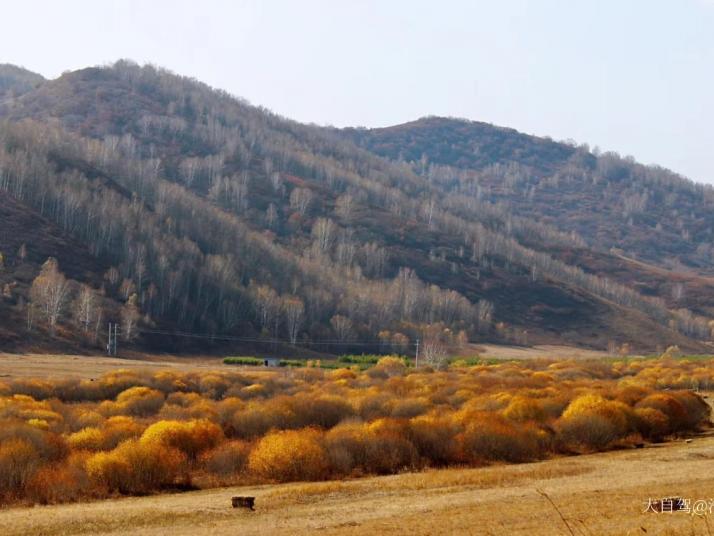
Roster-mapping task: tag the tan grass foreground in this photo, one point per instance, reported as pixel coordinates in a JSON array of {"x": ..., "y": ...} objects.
[{"x": 598, "y": 494}]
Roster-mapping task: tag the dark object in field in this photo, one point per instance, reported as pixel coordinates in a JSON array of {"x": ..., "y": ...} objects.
[
  {"x": 639, "y": 445},
  {"x": 670, "y": 504},
  {"x": 243, "y": 502}
]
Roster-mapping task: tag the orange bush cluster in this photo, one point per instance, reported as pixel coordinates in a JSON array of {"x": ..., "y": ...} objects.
[{"x": 137, "y": 433}]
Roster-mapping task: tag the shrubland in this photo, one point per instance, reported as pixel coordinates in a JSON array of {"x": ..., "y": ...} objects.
[{"x": 132, "y": 432}]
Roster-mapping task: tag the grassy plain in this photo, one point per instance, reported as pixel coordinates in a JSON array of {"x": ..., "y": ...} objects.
[
  {"x": 13, "y": 366},
  {"x": 598, "y": 494}
]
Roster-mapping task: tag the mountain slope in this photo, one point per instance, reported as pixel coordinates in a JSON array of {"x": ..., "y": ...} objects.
[
  {"x": 611, "y": 202},
  {"x": 223, "y": 218},
  {"x": 15, "y": 81},
  {"x": 644, "y": 227}
]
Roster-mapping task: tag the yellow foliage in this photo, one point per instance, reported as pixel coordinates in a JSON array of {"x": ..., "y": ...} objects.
[
  {"x": 391, "y": 365},
  {"x": 42, "y": 424},
  {"x": 135, "y": 467},
  {"x": 190, "y": 437},
  {"x": 524, "y": 409},
  {"x": 134, "y": 432},
  {"x": 140, "y": 401},
  {"x": 87, "y": 439},
  {"x": 288, "y": 456},
  {"x": 19, "y": 459}
]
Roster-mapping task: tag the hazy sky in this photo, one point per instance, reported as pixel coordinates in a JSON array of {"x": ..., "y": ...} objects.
[{"x": 635, "y": 76}]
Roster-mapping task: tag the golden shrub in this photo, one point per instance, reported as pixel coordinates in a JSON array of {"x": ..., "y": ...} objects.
[
  {"x": 87, "y": 439},
  {"x": 342, "y": 374},
  {"x": 58, "y": 483},
  {"x": 697, "y": 411},
  {"x": 489, "y": 438},
  {"x": 135, "y": 467},
  {"x": 226, "y": 459},
  {"x": 253, "y": 391},
  {"x": 42, "y": 424},
  {"x": 617, "y": 413},
  {"x": 49, "y": 445},
  {"x": 289, "y": 455},
  {"x": 586, "y": 432},
  {"x": 118, "y": 429},
  {"x": 653, "y": 424},
  {"x": 670, "y": 406},
  {"x": 376, "y": 405},
  {"x": 524, "y": 409},
  {"x": 19, "y": 459},
  {"x": 391, "y": 366},
  {"x": 435, "y": 438},
  {"x": 109, "y": 470},
  {"x": 409, "y": 407},
  {"x": 253, "y": 421},
  {"x": 346, "y": 446},
  {"x": 85, "y": 418},
  {"x": 190, "y": 437},
  {"x": 322, "y": 411},
  {"x": 140, "y": 401},
  {"x": 389, "y": 452}
]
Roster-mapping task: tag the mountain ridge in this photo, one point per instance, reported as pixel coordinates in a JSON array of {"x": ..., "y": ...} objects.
[{"x": 363, "y": 233}]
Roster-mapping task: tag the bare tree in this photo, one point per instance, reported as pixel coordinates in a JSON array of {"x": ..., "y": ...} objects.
[
  {"x": 294, "y": 310},
  {"x": 484, "y": 310},
  {"x": 85, "y": 308},
  {"x": 300, "y": 200},
  {"x": 344, "y": 206},
  {"x": 271, "y": 216},
  {"x": 49, "y": 292},
  {"x": 187, "y": 169},
  {"x": 130, "y": 316},
  {"x": 435, "y": 353},
  {"x": 267, "y": 305},
  {"x": 323, "y": 231},
  {"x": 346, "y": 249},
  {"x": 374, "y": 259},
  {"x": 342, "y": 326}
]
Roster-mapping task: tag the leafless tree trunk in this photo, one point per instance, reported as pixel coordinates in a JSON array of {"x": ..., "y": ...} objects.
[
  {"x": 49, "y": 292},
  {"x": 294, "y": 310}
]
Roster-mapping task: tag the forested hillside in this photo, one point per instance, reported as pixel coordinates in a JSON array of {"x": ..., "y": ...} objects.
[
  {"x": 204, "y": 214},
  {"x": 649, "y": 213},
  {"x": 15, "y": 81}
]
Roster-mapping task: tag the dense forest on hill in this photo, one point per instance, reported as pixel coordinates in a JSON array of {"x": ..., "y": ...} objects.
[
  {"x": 648, "y": 212},
  {"x": 189, "y": 209}
]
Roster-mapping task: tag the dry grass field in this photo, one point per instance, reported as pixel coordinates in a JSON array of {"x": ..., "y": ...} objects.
[
  {"x": 13, "y": 366},
  {"x": 86, "y": 367},
  {"x": 544, "y": 351},
  {"x": 598, "y": 494}
]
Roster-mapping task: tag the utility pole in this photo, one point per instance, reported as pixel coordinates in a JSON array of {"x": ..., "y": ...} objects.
[
  {"x": 109, "y": 340},
  {"x": 416, "y": 356}
]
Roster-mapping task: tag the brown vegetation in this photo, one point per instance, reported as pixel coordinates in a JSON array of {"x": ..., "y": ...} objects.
[{"x": 137, "y": 433}]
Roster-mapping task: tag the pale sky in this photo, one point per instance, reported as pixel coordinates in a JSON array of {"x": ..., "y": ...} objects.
[{"x": 635, "y": 76}]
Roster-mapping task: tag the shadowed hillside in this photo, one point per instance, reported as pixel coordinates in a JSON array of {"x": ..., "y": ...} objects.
[{"x": 208, "y": 215}]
